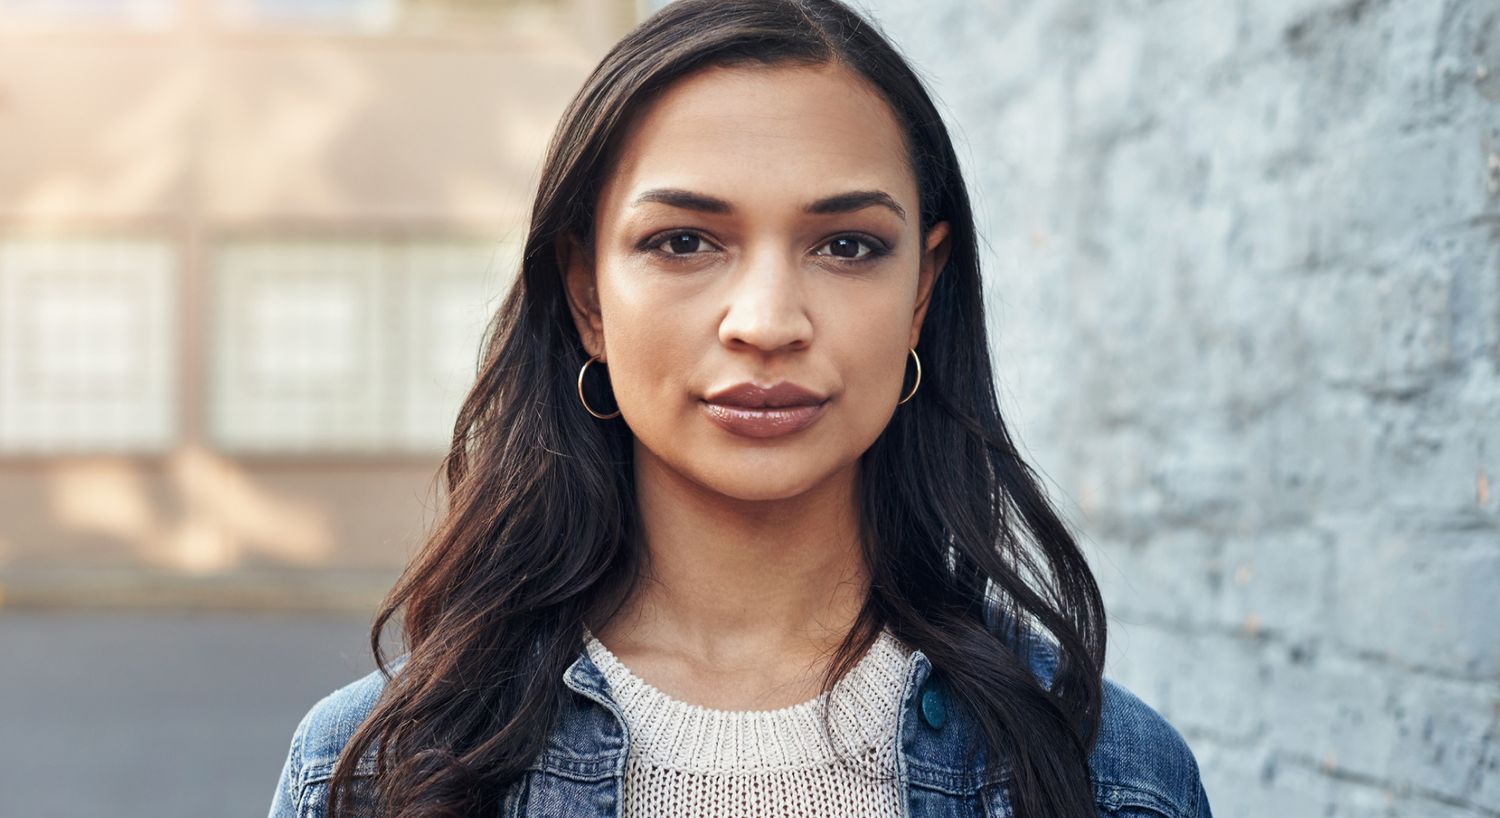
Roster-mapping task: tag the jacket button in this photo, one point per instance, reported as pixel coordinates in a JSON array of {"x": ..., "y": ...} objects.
[{"x": 934, "y": 711}]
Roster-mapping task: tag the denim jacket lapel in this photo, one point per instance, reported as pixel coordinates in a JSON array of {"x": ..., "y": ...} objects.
[{"x": 582, "y": 768}]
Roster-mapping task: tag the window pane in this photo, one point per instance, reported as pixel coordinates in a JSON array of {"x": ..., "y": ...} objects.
[
  {"x": 133, "y": 13},
  {"x": 451, "y": 290},
  {"x": 87, "y": 346},
  {"x": 375, "y": 15},
  {"x": 352, "y": 346},
  {"x": 386, "y": 15},
  {"x": 300, "y": 339}
]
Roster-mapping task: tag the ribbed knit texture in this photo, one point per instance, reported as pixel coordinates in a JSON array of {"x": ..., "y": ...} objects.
[{"x": 688, "y": 761}]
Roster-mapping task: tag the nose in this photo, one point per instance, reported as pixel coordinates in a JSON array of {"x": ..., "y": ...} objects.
[{"x": 767, "y": 307}]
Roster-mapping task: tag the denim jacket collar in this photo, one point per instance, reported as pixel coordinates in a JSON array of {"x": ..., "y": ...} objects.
[{"x": 930, "y": 736}]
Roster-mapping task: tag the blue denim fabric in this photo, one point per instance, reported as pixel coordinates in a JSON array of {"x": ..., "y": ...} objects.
[{"x": 1142, "y": 767}]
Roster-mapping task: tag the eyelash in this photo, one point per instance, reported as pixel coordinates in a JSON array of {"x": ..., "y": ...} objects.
[{"x": 877, "y": 247}]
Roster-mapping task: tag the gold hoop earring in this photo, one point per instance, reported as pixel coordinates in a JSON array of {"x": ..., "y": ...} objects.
[
  {"x": 584, "y": 400},
  {"x": 917, "y": 382}
]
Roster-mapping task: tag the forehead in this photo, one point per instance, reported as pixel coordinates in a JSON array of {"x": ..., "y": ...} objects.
[{"x": 747, "y": 132}]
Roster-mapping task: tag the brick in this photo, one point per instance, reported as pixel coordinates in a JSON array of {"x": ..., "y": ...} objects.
[
  {"x": 1163, "y": 667},
  {"x": 1322, "y": 794},
  {"x": 1382, "y": 330},
  {"x": 1277, "y": 581},
  {"x": 1484, "y": 782},
  {"x": 1423, "y": 597},
  {"x": 1164, "y": 576},
  {"x": 1332, "y": 712},
  {"x": 1240, "y": 782},
  {"x": 1448, "y": 742}
]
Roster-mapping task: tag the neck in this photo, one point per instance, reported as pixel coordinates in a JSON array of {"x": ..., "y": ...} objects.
[{"x": 731, "y": 581}]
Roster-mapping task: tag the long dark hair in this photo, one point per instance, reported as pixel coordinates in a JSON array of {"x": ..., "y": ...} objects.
[{"x": 955, "y": 527}]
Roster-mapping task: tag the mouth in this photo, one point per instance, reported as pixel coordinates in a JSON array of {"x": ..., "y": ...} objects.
[
  {"x": 754, "y": 411},
  {"x": 777, "y": 396}
]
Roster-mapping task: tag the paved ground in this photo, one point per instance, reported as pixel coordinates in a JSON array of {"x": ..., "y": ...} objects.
[{"x": 160, "y": 713}]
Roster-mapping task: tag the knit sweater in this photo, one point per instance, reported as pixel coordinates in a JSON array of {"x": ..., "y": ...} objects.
[{"x": 689, "y": 761}]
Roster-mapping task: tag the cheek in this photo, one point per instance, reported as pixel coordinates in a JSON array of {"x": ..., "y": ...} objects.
[
  {"x": 868, "y": 322},
  {"x": 871, "y": 355},
  {"x": 651, "y": 340}
]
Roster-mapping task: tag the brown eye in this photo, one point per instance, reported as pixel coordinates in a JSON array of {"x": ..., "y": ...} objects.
[
  {"x": 851, "y": 248},
  {"x": 683, "y": 244},
  {"x": 845, "y": 248}
]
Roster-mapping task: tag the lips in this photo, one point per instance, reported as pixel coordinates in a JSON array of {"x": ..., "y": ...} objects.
[
  {"x": 751, "y": 396},
  {"x": 755, "y": 411}
]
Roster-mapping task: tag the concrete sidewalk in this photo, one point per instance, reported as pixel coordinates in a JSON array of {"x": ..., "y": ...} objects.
[
  {"x": 328, "y": 590},
  {"x": 132, "y": 712}
]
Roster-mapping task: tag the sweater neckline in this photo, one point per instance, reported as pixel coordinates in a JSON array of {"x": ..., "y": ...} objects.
[{"x": 669, "y": 732}]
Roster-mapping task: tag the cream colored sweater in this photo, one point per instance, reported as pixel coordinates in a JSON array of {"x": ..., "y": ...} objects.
[{"x": 688, "y": 761}]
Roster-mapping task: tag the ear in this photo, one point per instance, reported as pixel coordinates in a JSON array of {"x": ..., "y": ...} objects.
[
  {"x": 934, "y": 259},
  {"x": 581, "y": 285}
]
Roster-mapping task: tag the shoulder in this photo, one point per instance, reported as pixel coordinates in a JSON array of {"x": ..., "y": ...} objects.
[
  {"x": 318, "y": 741},
  {"x": 332, "y": 721},
  {"x": 1141, "y": 764}
]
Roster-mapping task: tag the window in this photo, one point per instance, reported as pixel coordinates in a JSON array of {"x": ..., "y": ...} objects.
[
  {"x": 325, "y": 345},
  {"x": 372, "y": 15},
  {"x": 147, "y": 14},
  {"x": 379, "y": 16},
  {"x": 88, "y": 336}
]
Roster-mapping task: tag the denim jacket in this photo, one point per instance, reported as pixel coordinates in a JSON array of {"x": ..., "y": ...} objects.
[{"x": 1141, "y": 765}]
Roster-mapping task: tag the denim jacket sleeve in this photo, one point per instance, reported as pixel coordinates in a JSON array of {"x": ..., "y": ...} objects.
[
  {"x": 1203, "y": 810},
  {"x": 1141, "y": 764},
  {"x": 318, "y": 742},
  {"x": 284, "y": 802}
]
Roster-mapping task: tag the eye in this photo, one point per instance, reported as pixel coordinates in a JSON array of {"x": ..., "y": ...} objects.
[
  {"x": 678, "y": 244},
  {"x": 849, "y": 248}
]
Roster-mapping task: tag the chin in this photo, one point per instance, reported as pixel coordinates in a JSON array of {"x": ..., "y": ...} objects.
[
  {"x": 757, "y": 483},
  {"x": 764, "y": 493},
  {"x": 743, "y": 471}
]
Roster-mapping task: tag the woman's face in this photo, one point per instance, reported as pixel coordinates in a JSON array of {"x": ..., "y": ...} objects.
[{"x": 759, "y": 227}]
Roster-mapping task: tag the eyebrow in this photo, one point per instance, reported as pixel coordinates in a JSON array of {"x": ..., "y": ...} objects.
[{"x": 839, "y": 203}]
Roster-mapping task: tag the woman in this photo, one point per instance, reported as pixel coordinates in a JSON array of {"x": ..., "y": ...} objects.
[{"x": 735, "y": 526}]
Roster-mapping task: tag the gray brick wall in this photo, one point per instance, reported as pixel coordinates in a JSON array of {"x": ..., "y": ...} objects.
[{"x": 1244, "y": 274}]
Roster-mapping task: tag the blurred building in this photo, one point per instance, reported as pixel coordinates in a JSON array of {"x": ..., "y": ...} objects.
[{"x": 247, "y": 250}]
